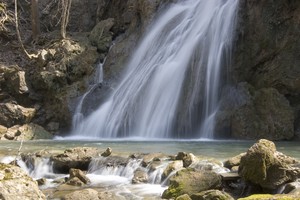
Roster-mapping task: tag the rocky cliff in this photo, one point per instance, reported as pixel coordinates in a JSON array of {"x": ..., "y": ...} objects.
[{"x": 265, "y": 73}]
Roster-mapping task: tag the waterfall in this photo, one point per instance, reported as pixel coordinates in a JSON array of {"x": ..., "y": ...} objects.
[
  {"x": 172, "y": 84},
  {"x": 78, "y": 114}
]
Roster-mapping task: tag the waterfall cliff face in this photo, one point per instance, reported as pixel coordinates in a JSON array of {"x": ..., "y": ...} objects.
[{"x": 172, "y": 84}]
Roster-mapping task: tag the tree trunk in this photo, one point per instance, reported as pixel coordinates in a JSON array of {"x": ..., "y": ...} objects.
[{"x": 66, "y": 5}]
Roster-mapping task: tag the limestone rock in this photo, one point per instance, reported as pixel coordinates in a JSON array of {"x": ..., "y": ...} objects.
[
  {"x": 86, "y": 194},
  {"x": 26, "y": 132},
  {"x": 12, "y": 114},
  {"x": 148, "y": 158},
  {"x": 234, "y": 161},
  {"x": 107, "y": 152},
  {"x": 173, "y": 166},
  {"x": 211, "y": 194},
  {"x": 184, "y": 197},
  {"x": 140, "y": 176},
  {"x": 80, "y": 175},
  {"x": 101, "y": 36},
  {"x": 78, "y": 158},
  {"x": 189, "y": 181},
  {"x": 16, "y": 79},
  {"x": 187, "y": 158},
  {"x": 16, "y": 184},
  {"x": 261, "y": 166}
]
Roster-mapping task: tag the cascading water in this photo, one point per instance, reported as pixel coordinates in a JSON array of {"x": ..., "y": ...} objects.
[{"x": 172, "y": 84}]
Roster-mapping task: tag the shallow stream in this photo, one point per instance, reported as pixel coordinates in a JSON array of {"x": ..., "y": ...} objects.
[{"x": 118, "y": 181}]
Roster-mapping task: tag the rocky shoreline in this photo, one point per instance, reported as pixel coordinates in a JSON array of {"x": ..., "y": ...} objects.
[{"x": 261, "y": 173}]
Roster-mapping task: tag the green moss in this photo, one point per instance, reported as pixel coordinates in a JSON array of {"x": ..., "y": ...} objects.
[
  {"x": 173, "y": 191},
  {"x": 270, "y": 197}
]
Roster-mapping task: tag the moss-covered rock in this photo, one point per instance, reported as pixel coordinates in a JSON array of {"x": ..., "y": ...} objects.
[
  {"x": 189, "y": 181},
  {"x": 271, "y": 197},
  {"x": 212, "y": 195},
  {"x": 263, "y": 167}
]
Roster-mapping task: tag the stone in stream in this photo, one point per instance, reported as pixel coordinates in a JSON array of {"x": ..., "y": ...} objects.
[
  {"x": 264, "y": 166},
  {"x": 78, "y": 158},
  {"x": 77, "y": 173},
  {"x": 190, "y": 181},
  {"x": 107, "y": 152},
  {"x": 211, "y": 194},
  {"x": 140, "y": 176},
  {"x": 173, "y": 166}
]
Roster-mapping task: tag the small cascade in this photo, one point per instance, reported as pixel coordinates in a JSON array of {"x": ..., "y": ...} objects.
[
  {"x": 78, "y": 114},
  {"x": 172, "y": 85}
]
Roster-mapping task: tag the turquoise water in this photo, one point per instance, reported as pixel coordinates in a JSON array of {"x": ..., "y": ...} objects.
[{"x": 219, "y": 149}]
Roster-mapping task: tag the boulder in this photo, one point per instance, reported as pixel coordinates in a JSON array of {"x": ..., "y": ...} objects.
[
  {"x": 16, "y": 184},
  {"x": 16, "y": 79},
  {"x": 80, "y": 175},
  {"x": 78, "y": 158},
  {"x": 189, "y": 181},
  {"x": 140, "y": 176},
  {"x": 148, "y": 158},
  {"x": 212, "y": 194},
  {"x": 262, "y": 166},
  {"x": 234, "y": 161},
  {"x": 172, "y": 167},
  {"x": 184, "y": 197},
  {"x": 27, "y": 132},
  {"x": 12, "y": 114},
  {"x": 101, "y": 36},
  {"x": 86, "y": 194},
  {"x": 271, "y": 197},
  {"x": 107, "y": 152},
  {"x": 187, "y": 158}
]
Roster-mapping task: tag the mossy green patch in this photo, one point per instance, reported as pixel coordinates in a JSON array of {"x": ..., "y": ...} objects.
[{"x": 270, "y": 197}]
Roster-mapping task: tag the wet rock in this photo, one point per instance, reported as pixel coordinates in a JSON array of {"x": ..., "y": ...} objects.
[
  {"x": 148, "y": 158},
  {"x": 78, "y": 158},
  {"x": 77, "y": 173},
  {"x": 16, "y": 184},
  {"x": 140, "y": 176},
  {"x": 184, "y": 197},
  {"x": 75, "y": 181},
  {"x": 189, "y": 181},
  {"x": 211, "y": 194},
  {"x": 172, "y": 167},
  {"x": 292, "y": 188},
  {"x": 187, "y": 158},
  {"x": 86, "y": 194},
  {"x": 234, "y": 161},
  {"x": 41, "y": 181},
  {"x": 12, "y": 114},
  {"x": 107, "y": 152},
  {"x": 262, "y": 166},
  {"x": 270, "y": 197}
]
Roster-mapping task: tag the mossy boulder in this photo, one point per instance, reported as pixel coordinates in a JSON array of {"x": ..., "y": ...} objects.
[
  {"x": 271, "y": 197},
  {"x": 262, "y": 165},
  {"x": 190, "y": 181},
  {"x": 212, "y": 195}
]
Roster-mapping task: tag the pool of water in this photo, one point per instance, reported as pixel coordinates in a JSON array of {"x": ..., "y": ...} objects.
[{"x": 219, "y": 149}]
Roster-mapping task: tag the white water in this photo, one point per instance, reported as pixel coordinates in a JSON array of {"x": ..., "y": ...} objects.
[
  {"x": 172, "y": 84},
  {"x": 78, "y": 115}
]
